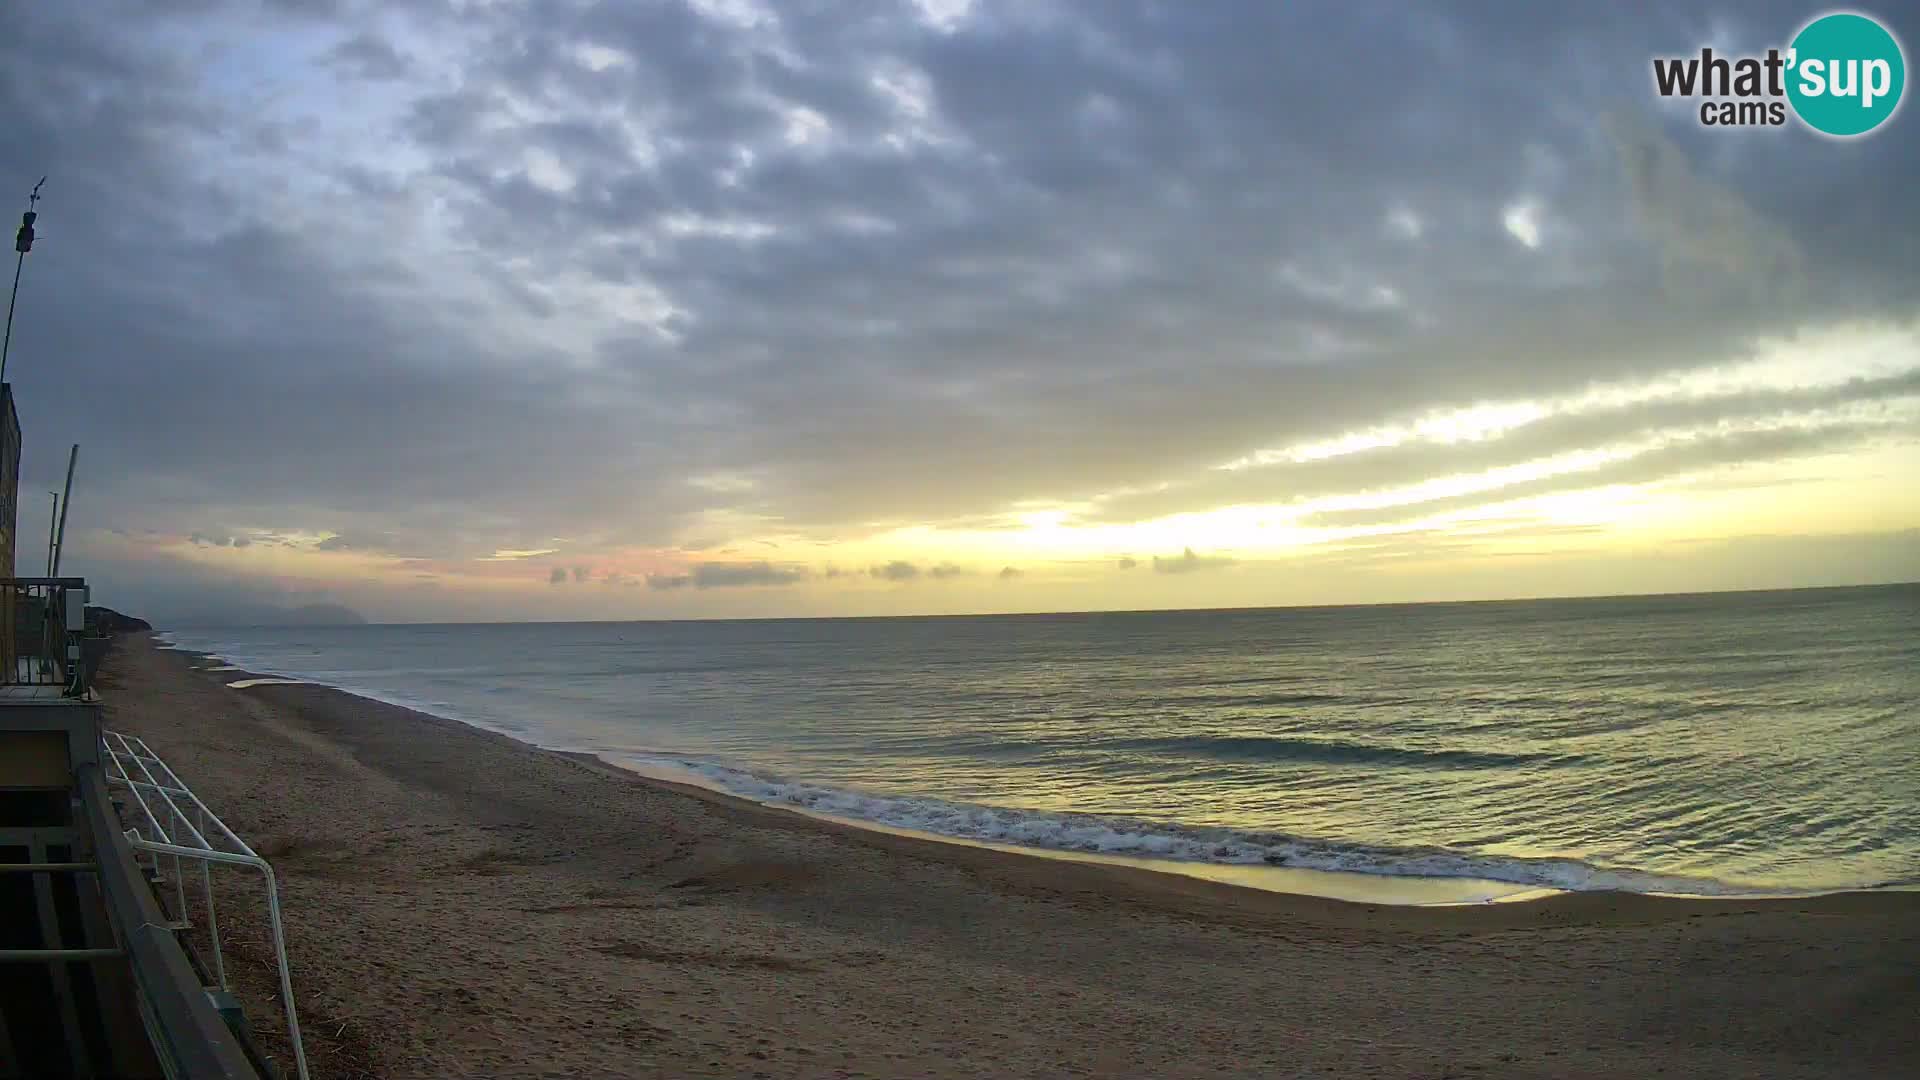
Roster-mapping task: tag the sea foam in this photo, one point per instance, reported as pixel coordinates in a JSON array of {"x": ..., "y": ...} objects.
[{"x": 1110, "y": 835}]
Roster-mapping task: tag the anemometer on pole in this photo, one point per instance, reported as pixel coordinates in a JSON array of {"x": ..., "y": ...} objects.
[{"x": 22, "y": 243}]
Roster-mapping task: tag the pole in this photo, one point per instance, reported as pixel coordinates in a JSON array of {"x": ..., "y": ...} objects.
[
  {"x": 53, "y": 523},
  {"x": 22, "y": 243},
  {"x": 66, "y": 503},
  {"x": 7, "y": 345}
]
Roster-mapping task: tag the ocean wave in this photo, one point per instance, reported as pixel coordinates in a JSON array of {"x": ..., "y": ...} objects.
[
  {"x": 1237, "y": 748},
  {"x": 1332, "y": 751},
  {"x": 1099, "y": 834},
  {"x": 1636, "y": 807},
  {"x": 1256, "y": 701}
]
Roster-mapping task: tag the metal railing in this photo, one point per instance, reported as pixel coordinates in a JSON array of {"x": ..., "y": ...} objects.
[
  {"x": 42, "y": 623},
  {"x": 184, "y": 1031},
  {"x": 172, "y": 823}
]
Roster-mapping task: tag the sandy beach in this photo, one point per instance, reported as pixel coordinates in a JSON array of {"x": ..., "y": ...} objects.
[{"x": 462, "y": 904}]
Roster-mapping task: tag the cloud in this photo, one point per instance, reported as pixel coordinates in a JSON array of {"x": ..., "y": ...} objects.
[
  {"x": 360, "y": 540},
  {"x": 1187, "y": 562},
  {"x": 1707, "y": 233},
  {"x": 368, "y": 56},
  {"x": 729, "y": 575},
  {"x": 510, "y": 556},
  {"x": 175, "y": 592},
  {"x": 1523, "y": 221},
  {"x": 718, "y": 575},
  {"x": 897, "y": 570},
  {"x": 221, "y": 539},
  {"x": 1539, "y": 431},
  {"x": 900, "y": 570},
  {"x": 820, "y": 259},
  {"x": 1678, "y": 458}
]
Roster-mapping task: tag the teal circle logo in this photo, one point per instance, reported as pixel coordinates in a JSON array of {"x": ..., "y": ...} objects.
[{"x": 1845, "y": 74}]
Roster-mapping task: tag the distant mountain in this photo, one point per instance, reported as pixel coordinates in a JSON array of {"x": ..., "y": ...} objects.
[{"x": 105, "y": 620}]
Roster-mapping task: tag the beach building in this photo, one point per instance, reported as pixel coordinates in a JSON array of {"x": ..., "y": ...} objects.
[{"x": 104, "y": 855}]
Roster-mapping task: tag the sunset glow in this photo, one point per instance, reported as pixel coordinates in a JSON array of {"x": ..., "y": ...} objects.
[{"x": 544, "y": 332}]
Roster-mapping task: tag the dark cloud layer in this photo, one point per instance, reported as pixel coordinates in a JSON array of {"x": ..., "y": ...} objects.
[
  {"x": 717, "y": 575},
  {"x": 897, "y": 570},
  {"x": 1188, "y": 562},
  {"x": 440, "y": 279}
]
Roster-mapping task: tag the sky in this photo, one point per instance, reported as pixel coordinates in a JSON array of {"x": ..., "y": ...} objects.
[{"x": 471, "y": 309}]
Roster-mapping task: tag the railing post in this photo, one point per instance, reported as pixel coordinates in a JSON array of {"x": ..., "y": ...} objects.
[
  {"x": 213, "y": 918},
  {"x": 286, "y": 972},
  {"x": 193, "y": 843},
  {"x": 179, "y": 879}
]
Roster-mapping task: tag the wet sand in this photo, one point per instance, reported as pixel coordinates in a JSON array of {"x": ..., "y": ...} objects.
[{"x": 465, "y": 905}]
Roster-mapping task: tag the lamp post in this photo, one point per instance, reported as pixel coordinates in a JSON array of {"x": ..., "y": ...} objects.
[{"x": 22, "y": 243}]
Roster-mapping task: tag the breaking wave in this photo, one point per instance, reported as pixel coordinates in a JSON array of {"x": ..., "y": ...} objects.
[{"x": 1100, "y": 834}]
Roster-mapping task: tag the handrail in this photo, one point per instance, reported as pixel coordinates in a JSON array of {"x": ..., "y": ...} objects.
[
  {"x": 180, "y": 839},
  {"x": 41, "y": 956},
  {"x": 186, "y": 1031}
]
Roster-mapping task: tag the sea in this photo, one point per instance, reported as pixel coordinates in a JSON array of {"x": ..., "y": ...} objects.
[{"x": 1751, "y": 743}]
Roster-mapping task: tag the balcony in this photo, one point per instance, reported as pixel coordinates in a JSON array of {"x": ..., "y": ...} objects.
[
  {"x": 98, "y": 974},
  {"x": 46, "y": 653}
]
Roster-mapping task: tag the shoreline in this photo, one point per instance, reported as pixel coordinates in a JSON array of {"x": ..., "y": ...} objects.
[
  {"x": 461, "y": 903},
  {"x": 1352, "y": 886},
  {"x": 1366, "y": 890},
  {"x": 1348, "y": 886}
]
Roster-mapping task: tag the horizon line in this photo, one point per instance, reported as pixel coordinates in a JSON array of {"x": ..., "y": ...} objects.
[{"x": 1055, "y": 614}]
